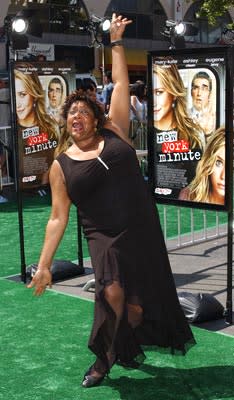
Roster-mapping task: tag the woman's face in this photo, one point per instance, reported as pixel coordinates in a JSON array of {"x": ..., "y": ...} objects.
[
  {"x": 24, "y": 104},
  {"x": 81, "y": 122},
  {"x": 163, "y": 110},
  {"x": 217, "y": 177}
]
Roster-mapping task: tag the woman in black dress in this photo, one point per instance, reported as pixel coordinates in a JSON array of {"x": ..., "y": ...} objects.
[{"x": 135, "y": 297}]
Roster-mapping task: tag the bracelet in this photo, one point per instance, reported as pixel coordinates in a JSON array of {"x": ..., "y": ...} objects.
[{"x": 117, "y": 43}]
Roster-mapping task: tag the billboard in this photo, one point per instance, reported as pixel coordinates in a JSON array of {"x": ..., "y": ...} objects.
[
  {"x": 39, "y": 90},
  {"x": 190, "y": 129}
]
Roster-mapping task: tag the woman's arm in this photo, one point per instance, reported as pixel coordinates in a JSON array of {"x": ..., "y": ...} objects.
[
  {"x": 120, "y": 99},
  {"x": 54, "y": 230}
]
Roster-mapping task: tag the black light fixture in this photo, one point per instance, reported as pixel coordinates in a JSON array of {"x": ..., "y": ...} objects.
[
  {"x": 175, "y": 32},
  {"x": 19, "y": 25},
  {"x": 173, "y": 27},
  {"x": 98, "y": 27},
  {"x": 104, "y": 25},
  {"x": 14, "y": 31}
]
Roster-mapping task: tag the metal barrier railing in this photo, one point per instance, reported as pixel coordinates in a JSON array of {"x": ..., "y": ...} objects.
[
  {"x": 5, "y": 156},
  {"x": 205, "y": 232}
]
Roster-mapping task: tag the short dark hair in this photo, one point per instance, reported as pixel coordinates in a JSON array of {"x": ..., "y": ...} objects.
[
  {"x": 94, "y": 106},
  {"x": 138, "y": 89},
  {"x": 202, "y": 75},
  {"x": 56, "y": 80},
  {"x": 88, "y": 84}
]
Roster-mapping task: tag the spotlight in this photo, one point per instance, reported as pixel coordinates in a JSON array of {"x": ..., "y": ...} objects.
[
  {"x": 175, "y": 28},
  {"x": 175, "y": 32},
  {"x": 98, "y": 27},
  {"x": 180, "y": 29},
  {"x": 19, "y": 25},
  {"x": 102, "y": 25},
  {"x": 105, "y": 25}
]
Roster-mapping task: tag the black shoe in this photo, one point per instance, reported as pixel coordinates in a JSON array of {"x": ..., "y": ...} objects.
[
  {"x": 128, "y": 364},
  {"x": 91, "y": 380}
]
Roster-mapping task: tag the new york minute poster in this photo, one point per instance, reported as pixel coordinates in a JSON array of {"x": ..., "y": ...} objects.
[
  {"x": 40, "y": 89},
  {"x": 190, "y": 136}
]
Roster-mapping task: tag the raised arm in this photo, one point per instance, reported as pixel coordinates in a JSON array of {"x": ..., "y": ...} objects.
[
  {"x": 54, "y": 230},
  {"x": 120, "y": 99}
]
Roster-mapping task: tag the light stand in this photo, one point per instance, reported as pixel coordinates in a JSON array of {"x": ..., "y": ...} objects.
[
  {"x": 16, "y": 172},
  {"x": 16, "y": 41}
]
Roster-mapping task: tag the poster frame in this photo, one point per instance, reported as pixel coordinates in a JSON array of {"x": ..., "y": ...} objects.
[
  {"x": 35, "y": 156},
  {"x": 225, "y": 52}
]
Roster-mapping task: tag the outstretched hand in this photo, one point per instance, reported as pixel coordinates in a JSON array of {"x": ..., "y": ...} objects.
[
  {"x": 118, "y": 25},
  {"x": 40, "y": 281}
]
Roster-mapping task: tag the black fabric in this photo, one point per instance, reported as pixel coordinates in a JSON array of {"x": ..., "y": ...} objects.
[
  {"x": 126, "y": 245},
  {"x": 60, "y": 270},
  {"x": 200, "y": 307}
]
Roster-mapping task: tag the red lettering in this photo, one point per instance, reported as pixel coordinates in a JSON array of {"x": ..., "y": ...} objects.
[
  {"x": 179, "y": 146},
  {"x": 42, "y": 138}
]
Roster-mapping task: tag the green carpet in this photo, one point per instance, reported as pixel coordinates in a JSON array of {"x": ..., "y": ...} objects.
[
  {"x": 43, "y": 347},
  {"x": 36, "y": 211}
]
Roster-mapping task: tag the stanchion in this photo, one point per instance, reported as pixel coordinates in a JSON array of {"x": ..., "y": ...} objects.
[{"x": 16, "y": 171}]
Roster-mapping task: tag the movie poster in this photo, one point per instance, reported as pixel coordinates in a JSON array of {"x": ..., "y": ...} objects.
[
  {"x": 40, "y": 89},
  {"x": 190, "y": 136}
]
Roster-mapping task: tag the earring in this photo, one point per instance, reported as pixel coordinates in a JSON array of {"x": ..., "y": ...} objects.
[{"x": 173, "y": 104}]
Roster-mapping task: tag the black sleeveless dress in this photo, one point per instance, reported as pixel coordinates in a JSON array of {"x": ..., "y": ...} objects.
[{"x": 126, "y": 244}]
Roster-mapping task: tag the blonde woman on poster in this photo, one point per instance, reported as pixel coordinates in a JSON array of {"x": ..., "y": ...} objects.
[
  {"x": 37, "y": 131},
  {"x": 178, "y": 140},
  {"x": 208, "y": 185}
]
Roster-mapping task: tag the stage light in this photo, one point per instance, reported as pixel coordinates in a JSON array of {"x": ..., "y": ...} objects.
[
  {"x": 19, "y": 25},
  {"x": 98, "y": 27},
  {"x": 105, "y": 25},
  {"x": 101, "y": 25},
  {"x": 175, "y": 32},
  {"x": 180, "y": 29},
  {"x": 175, "y": 28}
]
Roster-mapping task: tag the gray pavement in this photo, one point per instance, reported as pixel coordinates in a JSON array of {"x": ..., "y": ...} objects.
[{"x": 201, "y": 268}]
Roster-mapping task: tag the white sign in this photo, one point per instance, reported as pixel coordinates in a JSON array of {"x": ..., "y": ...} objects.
[{"x": 35, "y": 50}]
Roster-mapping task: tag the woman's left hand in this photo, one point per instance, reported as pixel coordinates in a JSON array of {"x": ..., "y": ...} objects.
[
  {"x": 40, "y": 281},
  {"x": 118, "y": 25}
]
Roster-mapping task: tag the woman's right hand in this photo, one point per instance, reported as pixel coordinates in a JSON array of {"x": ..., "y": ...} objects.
[
  {"x": 118, "y": 25},
  {"x": 40, "y": 281}
]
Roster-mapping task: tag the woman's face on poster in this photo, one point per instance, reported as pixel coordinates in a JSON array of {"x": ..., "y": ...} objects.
[
  {"x": 163, "y": 100},
  {"x": 217, "y": 176},
  {"x": 24, "y": 102}
]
